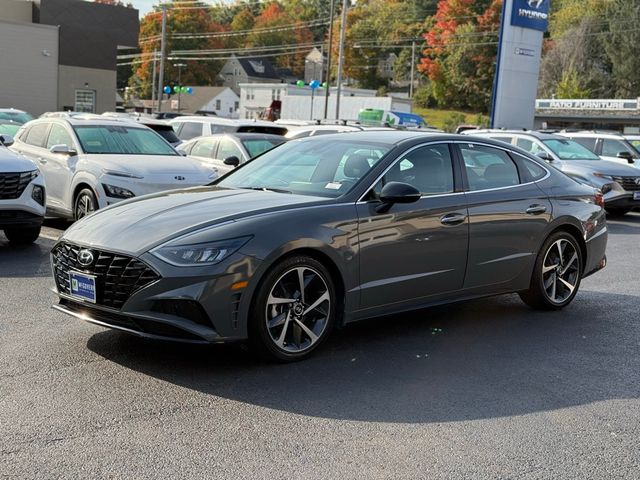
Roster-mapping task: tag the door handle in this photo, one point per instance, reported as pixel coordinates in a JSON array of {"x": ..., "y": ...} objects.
[
  {"x": 536, "y": 209},
  {"x": 453, "y": 219}
]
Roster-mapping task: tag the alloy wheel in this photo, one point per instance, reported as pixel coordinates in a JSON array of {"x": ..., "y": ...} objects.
[
  {"x": 84, "y": 206},
  {"x": 560, "y": 271},
  {"x": 298, "y": 309}
]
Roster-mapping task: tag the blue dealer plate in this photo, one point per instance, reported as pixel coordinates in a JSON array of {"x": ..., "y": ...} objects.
[
  {"x": 83, "y": 286},
  {"x": 636, "y": 195}
]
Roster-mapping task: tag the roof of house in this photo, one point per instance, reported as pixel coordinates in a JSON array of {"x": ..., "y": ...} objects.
[{"x": 258, "y": 67}]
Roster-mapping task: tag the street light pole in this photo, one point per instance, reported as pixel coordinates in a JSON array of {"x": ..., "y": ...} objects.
[
  {"x": 343, "y": 29},
  {"x": 153, "y": 80},
  {"x": 179, "y": 65},
  {"x": 163, "y": 42},
  {"x": 328, "y": 72},
  {"x": 413, "y": 67}
]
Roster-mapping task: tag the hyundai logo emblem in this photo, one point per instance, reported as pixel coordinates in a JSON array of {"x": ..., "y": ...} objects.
[
  {"x": 85, "y": 257},
  {"x": 535, "y": 3},
  {"x": 179, "y": 177},
  {"x": 637, "y": 180}
]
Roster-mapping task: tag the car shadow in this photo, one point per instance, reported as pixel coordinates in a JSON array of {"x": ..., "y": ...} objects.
[
  {"x": 25, "y": 260},
  {"x": 628, "y": 224},
  {"x": 479, "y": 359}
]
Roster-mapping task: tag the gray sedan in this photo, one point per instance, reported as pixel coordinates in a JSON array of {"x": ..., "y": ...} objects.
[{"x": 329, "y": 230}]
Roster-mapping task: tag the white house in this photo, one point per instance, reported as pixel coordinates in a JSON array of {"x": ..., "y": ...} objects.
[{"x": 219, "y": 100}]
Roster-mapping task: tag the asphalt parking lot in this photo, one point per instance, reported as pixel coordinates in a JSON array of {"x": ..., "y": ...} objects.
[{"x": 481, "y": 389}]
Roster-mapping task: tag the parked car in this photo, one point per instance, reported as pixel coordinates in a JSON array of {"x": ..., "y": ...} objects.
[
  {"x": 314, "y": 130},
  {"x": 15, "y": 115},
  {"x": 324, "y": 231},
  {"x": 90, "y": 163},
  {"x": 9, "y": 127},
  {"x": 22, "y": 195},
  {"x": 634, "y": 140},
  {"x": 190, "y": 127},
  {"x": 223, "y": 152},
  {"x": 620, "y": 184},
  {"x": 162, "y": 128},
  {"x": 609, "y": 146}
]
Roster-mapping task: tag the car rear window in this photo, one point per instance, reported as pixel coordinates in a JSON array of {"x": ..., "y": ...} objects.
[{"x": 261, "y": 129}]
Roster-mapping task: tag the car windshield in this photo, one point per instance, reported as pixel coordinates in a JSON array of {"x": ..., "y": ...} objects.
[
  {"x": 9, "y": 128},
  {"x": 121, "y": 140},
  {"x": 18, "y": 117},
  {"x": 570, "y": 150},
  {"x": 309, "y": 167},
  {"x": 256, "y": 146},
  {"x": 635, "y": 143}
]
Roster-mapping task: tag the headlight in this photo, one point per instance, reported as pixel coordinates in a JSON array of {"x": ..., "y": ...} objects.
[
  {"x": 208, "y": 253},
  {"x": 29, "y": 176},
  {"x": 117, "y": 192}
]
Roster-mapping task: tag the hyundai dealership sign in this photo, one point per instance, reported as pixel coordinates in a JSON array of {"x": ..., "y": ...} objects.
[
  {"x": 516, "y": 82},
  {"x": 532, "y": 14}
]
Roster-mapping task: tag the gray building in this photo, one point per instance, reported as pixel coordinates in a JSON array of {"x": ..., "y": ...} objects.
[
  {"x": 61, "y": 54},
  {"x": 239, "y": 70}
]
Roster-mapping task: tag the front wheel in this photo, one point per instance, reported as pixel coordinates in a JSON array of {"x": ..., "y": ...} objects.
[
  {"x": 85, "y": 204},
  {"x": 22, "y": 236},
  {"x": 557, "y": 273},
  {"x": 295, "y": 310}
]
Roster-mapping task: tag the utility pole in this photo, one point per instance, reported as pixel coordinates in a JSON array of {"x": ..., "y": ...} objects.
[
  {"x": 413, "y": 67},
  {"x": 328, "y": 72},
  {"x": 179, "y": 65},
  {"x": 153, "y": 79},
  {"x": 343, "y": 30},
  {"x": 163, "y": 41}
]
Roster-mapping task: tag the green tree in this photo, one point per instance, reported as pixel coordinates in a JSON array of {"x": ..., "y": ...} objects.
[{"x": 621, "y": 46}]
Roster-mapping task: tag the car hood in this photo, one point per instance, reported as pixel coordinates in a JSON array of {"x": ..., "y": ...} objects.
[
  {"x": 601, "y": 166},
  {"x": 148, "y": 164},
  {"x": 11, "y": 162},
  {"x": 139, "y": 224}
]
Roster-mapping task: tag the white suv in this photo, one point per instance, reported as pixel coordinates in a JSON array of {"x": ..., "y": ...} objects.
[
  {"x": 91, "y": 163},
  {"x": 190, "y": 127},
  {"x": 22, "y": 196},
  {"x": 609, "y": 146}
]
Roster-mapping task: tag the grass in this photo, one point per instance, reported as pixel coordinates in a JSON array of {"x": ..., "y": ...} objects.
[{"x": 438, "y": 118}]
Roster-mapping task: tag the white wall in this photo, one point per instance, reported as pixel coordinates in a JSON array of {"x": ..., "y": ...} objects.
[
  {"x": 29, "y": 66},
  {"x": 227, "y": 108},
  {"x": 103, "y": 82},
  {"x": 299, "y": 108}
]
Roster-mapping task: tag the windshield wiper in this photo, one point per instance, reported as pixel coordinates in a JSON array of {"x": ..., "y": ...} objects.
[{"x": 267, "y": 189}]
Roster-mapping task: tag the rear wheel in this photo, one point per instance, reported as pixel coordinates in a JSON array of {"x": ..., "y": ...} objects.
[
  {"x": 557, "y": 273},
  {"x": 618, "y": 212},
  {"x": 295, "y": 310},
  {"x": 22, "y": 236},
  {"x": 85, "y": 204}
]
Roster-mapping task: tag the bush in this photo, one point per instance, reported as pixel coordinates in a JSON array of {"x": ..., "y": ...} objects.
[{"x": 452, "y": 122}]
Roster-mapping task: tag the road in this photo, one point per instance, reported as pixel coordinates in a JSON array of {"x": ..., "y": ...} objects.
[{"x": 501, "y": 391}]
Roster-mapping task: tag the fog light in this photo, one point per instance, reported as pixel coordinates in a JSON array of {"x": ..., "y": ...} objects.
[{"x": 38, "y": 194}]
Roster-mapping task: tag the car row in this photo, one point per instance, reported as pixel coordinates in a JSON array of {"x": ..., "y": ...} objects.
[
  {"x": 619, "y": 183},
  {"x": 324, "y": 231}
]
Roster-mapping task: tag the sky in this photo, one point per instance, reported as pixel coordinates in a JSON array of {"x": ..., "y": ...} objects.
[{"x": 145, "y": 6}]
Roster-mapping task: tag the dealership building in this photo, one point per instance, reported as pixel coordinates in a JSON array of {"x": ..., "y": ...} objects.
[
  {"x": 61, "y": 54},
  {"x": 622, "y": 115}
]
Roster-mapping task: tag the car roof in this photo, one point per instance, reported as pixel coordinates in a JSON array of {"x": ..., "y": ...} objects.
[
  {"x": 617, "y": 136},
  {"x": 12, "y": 110},
  {"x": 396, "y": 137},
  {"x": 90, "y": 119},
  {"x": 241, "y": 136},
  {"x": 529, "y": 133},
  {"x": 224, "y": 121}
]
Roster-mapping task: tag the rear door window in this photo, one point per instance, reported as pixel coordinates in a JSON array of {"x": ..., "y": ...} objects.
[
  {"x": 488, "y": 167},
  {"x": 589, "y": 143},
  {"x": 190, "y": 130},
  {"x": 611, "y": 147},
  {"x": 37, "y": 134},
  {"x": 228, "y": 149},
  {"x": 204, "y": 148}
]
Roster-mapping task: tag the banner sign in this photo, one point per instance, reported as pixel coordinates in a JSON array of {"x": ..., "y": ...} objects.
[
  {"x": 585, "y": 104},
  {"x": 533, "y": 14}
]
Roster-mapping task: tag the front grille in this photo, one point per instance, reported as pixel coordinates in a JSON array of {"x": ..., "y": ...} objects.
[
  {"x": 13, "y": 184},
  {"x": 628, "y": 183},
  {"x": 117, "y": 276}
]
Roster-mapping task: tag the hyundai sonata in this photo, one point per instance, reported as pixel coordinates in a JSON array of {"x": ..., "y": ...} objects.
[{"x": 324, "y": 231}]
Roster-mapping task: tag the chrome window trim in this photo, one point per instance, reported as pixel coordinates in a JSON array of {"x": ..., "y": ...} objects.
[{"x": 507, "y": 150}]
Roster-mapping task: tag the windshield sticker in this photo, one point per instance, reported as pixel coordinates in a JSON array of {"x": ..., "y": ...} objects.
[{"x": 333, "y": 186}]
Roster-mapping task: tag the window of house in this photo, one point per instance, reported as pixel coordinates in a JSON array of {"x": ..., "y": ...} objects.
[
  {"x": 218, "y": 104},
  {"x": 85, "y": 101},
  {"x": 236, "y": 106}
]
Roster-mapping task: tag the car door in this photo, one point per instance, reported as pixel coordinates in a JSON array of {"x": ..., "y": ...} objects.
[
  {"x": 204, "y": 151},
  {"x": 508, "y": 215},
  {"x": 419, "y": 249},
  {"x": 32, "y": 144},
  {"x": 60, "y": 167}
]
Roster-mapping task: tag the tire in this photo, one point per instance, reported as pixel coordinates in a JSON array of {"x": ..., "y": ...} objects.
[
  {"x": 291, "y": 331},
  {"x": 84, "y": 204},
  {"x": 550, "y": 270},
  {"x": 617, "y": 212},
  {"x": 22, "y": 236}
]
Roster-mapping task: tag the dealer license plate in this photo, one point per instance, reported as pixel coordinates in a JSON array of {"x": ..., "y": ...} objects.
[
  {"x": 83, "y": 286},
  {"x": 636, "y": 195}
]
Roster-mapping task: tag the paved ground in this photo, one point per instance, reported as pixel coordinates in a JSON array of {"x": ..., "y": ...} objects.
[{"x": 501, "y": 392}]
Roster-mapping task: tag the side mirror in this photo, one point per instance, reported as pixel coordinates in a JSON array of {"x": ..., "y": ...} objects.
[
  {"x": 233, "y": 161},
  {"x": 6, "y": 139},
  {"x": 397, "y": 192},
  {"x": 626, "y": 155},
  {"x": 544, "y": 156},
  {"x": 63, "y": 150}
]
